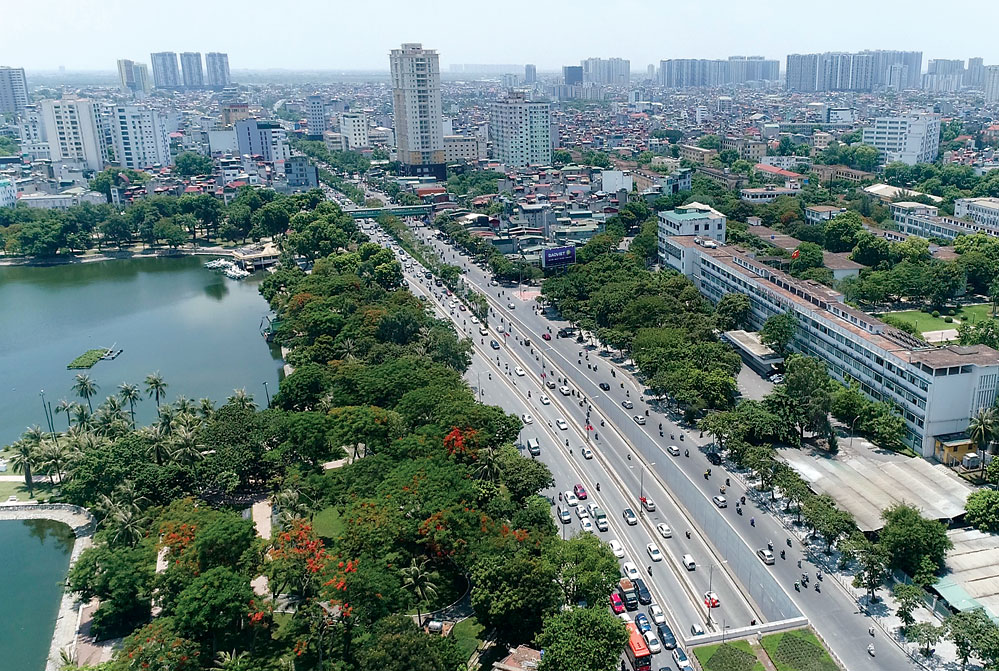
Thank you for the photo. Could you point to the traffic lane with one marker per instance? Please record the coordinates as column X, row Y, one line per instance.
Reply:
column 734, row 607
column 568, row 471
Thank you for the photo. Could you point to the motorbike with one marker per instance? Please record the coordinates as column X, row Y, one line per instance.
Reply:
column 782, row 555
column 681, row 436
column 817, row 588
column 789, row 542
column 770, row 545
column 598, row 486
column 797, row 587
column 870, row 649
column 738, row 510
column 686, row 453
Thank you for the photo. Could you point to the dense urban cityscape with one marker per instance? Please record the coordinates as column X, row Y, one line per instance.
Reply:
column 332, row 370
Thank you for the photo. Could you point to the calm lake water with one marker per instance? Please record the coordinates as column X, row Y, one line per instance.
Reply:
column 34, row 555
column 199, row 329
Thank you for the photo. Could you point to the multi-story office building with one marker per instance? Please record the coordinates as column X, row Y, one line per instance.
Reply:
column 923, row 220
column 354, row 129
column 194, row 74
column 530, row 74
column 13, row 90
column 234, row 111
column 520, row 131
column 134, row 76
column 911, row 139
column 616, row 71
column 863, row 71
column 678, row 73
column 166, row 74
column 935, row 389
column 572, row 75
column 975, row 74
column 301, row 173
column 34, row 139
column 77, row 132
column 695, row 219
column 315, row 114
column 265, row 139
column 458, row 148
column 140, row 137
column 992, row 84
column 217, row 65
column 982, row 211
column 416, row 107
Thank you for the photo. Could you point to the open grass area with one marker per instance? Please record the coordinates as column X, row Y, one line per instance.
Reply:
column 729, row 656
column 7, row 489
column 468, row 635
column 327, row 523
column 798, row 650
column 88, row 358
column 925, row 321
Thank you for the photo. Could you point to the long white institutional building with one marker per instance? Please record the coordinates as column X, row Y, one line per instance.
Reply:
column 936, row 389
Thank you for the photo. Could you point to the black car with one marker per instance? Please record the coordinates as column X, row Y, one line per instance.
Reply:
column 644, row 595
column 605, row 386
column 666, row 636
column 564, row 333
column 714, row 458
column 494, row 344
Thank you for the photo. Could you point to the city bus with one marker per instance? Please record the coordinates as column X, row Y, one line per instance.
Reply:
column 636, row 650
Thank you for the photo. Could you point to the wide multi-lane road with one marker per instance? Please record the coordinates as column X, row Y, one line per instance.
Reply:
column 734, row 538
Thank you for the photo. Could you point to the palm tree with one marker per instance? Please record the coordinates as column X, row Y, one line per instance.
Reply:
column 206, row 408
column 419, row 581
column 982, row 428
column 66, row 407
column 293, row 505
column 34, row 435
column 488, row 465
column 347, row 348
column 24, row 457
column 156, row 387
column 186, row 447
column 128, row 524
column 242, row 400
column 185, row 405
column 129, row 393
column 54, row 455
column 166, row 421
column 85, row 388
column 232, row 661
column 82, row 416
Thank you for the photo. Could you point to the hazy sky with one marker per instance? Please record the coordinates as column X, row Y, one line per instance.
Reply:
column 357, row 35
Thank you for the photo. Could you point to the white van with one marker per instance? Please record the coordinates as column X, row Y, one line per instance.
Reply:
column 533, row 446
column 688, row 562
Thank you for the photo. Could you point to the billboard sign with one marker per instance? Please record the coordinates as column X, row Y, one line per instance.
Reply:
column 557, row 257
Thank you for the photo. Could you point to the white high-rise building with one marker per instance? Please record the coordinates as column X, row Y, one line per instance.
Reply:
column 354, row 129
column 194, row 75
column 521, row 131
column 315, row 112
column 992, row 84
column 133, row 76
column 75, row 129
column 416, row 107
column 266, row 139
column 13, row 90
column 34, row 139
column 217, row 65
column 911, row 139
column 8, row 193
column 166, row 74
column 140, row 137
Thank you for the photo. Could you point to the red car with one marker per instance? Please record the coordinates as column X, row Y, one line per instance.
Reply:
column 711, row 600
column 546, row 336
column 579, row 491
column 616, row 604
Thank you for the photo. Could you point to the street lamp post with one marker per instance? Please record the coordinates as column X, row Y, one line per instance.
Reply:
column 267, row 393
column 711, row 571
column 45, row 410
column 853, row 424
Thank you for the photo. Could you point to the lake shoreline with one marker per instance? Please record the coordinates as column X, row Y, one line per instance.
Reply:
column 66, row 628
column 113, row 256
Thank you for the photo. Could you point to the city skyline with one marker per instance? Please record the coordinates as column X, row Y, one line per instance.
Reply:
column 523, row 41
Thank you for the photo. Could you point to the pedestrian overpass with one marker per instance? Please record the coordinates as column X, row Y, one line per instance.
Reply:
column 395, row 210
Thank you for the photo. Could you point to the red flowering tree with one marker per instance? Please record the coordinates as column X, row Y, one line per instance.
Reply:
column 159, row 647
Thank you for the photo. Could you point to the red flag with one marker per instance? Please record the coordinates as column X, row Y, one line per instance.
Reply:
column 796, row 253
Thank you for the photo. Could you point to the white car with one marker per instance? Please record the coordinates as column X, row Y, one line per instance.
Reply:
column 616, row 548
column 500, row 328
column 560, row 423
column 570, row 499
column 564, row 390
column 628, row 404
column 664, row 530
column 630, row 570
column 527, row 418
column 625, row 617
column 655, row 647
column 483, row 331
column 639, row 420
column 587, row 453
column 582, row 512
column 519, row 371
column 657, row 614
column 586, row 524
column 475, row 320
column 673, row 450
column 720, row 501
column 544, row 400
column 654, row 553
